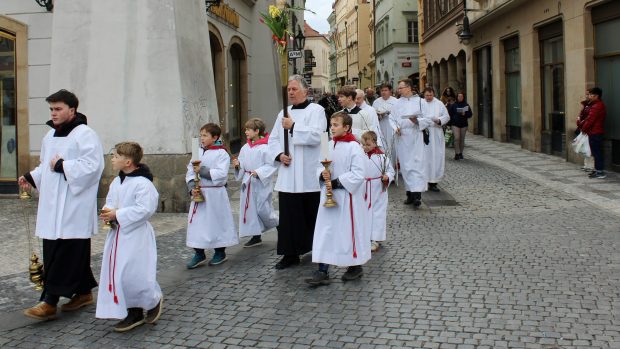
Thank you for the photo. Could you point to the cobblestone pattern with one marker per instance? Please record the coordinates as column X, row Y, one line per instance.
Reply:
column 515, row 265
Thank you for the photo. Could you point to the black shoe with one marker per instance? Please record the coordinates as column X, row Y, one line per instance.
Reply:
column 352, row 273
column 409, row 199
column 287, row 261
column 433, row 187
column 318, row 278
column 461, row 156
column 135, row 318
column 457, row 156
column 417, row 199
column 254, row 241
column 154, row 314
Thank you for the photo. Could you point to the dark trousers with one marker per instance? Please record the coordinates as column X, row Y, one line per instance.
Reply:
column 298, row 213
column 596, row 148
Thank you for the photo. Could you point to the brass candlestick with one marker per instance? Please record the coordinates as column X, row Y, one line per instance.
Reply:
column 329, row 202
column 106, row 224
column 197, row 195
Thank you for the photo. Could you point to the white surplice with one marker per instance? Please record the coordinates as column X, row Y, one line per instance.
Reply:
column 435, row 151
column 129, row 262
column 384, row 107
column 68, row 202
column 362, row 122
column 304, row 146
column 210, row 224
column 256, row 212
column 376, row 199
column 375, row 123
column 410, row 143
column 336, row 239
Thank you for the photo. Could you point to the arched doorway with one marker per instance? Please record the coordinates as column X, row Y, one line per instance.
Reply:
column 237, row 94
column 217, row 60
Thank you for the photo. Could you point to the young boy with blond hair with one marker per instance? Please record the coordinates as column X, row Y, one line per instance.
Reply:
column 255, row 169
column 379, row 175
column 128, row 283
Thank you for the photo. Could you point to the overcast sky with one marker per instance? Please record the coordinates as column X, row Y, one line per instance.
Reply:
column 318, row 21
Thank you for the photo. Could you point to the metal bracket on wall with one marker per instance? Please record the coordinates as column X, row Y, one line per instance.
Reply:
column 48, row 4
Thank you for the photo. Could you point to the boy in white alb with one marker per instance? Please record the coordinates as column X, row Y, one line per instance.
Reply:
column 128, row 271
column 255, row 169
column 379, row 174
column 341, row 234
column 210, row 223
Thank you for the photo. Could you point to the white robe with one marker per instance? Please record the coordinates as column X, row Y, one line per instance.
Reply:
column 410, row 143
column 435, row 151
column 129, row 264
column 375, row 123
column 68, row 203
column 376, row 199
column 387, row 132
column 304, row 146
column 334, row 237
column 362, row 122
column 256, row 215
column 210, row 224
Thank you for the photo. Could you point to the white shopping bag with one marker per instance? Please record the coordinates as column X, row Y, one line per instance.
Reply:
column 581, row 145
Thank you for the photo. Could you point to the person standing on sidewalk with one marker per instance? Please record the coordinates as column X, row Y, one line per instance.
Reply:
column 297, row 183
column 594, row 127
column 67, row 180
column 460, row 112
column 588, row 161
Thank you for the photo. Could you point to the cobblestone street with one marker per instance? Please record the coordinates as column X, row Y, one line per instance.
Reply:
column 523, row 255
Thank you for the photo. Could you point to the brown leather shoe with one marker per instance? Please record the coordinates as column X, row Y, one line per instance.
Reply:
column 41, row 311
column 78, row 301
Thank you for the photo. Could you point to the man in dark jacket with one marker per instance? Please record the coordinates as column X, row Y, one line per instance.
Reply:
column 594, row 127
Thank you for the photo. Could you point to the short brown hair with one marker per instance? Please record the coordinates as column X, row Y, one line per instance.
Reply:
column 348, row 91
column 407, row 82
column 370, row 136
column 346, row 119
column 256, row 124
column 131, row 150
column 212, row 129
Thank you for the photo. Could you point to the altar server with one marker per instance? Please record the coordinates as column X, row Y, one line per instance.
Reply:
column 435, row 112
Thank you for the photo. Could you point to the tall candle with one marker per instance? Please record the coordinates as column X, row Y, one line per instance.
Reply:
column 195, row 148
column 324, row 145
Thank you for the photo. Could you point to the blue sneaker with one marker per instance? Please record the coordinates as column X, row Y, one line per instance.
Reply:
column 197, row 260
column 218, row 258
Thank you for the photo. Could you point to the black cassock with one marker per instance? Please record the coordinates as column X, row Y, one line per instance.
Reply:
column 297, row 219
column 66, row 267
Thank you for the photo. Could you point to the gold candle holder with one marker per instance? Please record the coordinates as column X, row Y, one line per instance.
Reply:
column 24, row 195
column 36, row 272
column 106, row 224
column 197, row 195
column 329, row 202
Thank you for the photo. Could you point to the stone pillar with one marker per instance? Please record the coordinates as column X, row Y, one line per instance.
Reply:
column 460, row 72
column 531, row 107
column 142, row 70
column 429, row 77
column 452, row 76
column 443, row 76
column 436, row 78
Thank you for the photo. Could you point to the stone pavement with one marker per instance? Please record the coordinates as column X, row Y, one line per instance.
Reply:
column 523, row 259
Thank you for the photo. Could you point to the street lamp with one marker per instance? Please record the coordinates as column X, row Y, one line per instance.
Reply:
column 465, row 34
column 300, row 39
column 209, row 3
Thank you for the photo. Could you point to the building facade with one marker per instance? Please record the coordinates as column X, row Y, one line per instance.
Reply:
column 161, row 82
column 527, row 67
column 316, row 57
column 396, row 35
column 353, row 43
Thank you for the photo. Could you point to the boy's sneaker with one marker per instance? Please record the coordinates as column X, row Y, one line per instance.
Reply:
column 374, row 246
column 135, row 318
column 196, row 261
column 318, row 278
column 218, row 258
column 154, row 314
column 597, row 174
column 586, row 169
column 254, row 241
column 352, row 273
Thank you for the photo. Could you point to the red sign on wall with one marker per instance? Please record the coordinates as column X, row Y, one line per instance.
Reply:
column 406, row 64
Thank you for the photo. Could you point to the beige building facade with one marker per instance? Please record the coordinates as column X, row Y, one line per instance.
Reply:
column 316, row 55
column 354, row 47
column 527, row 67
